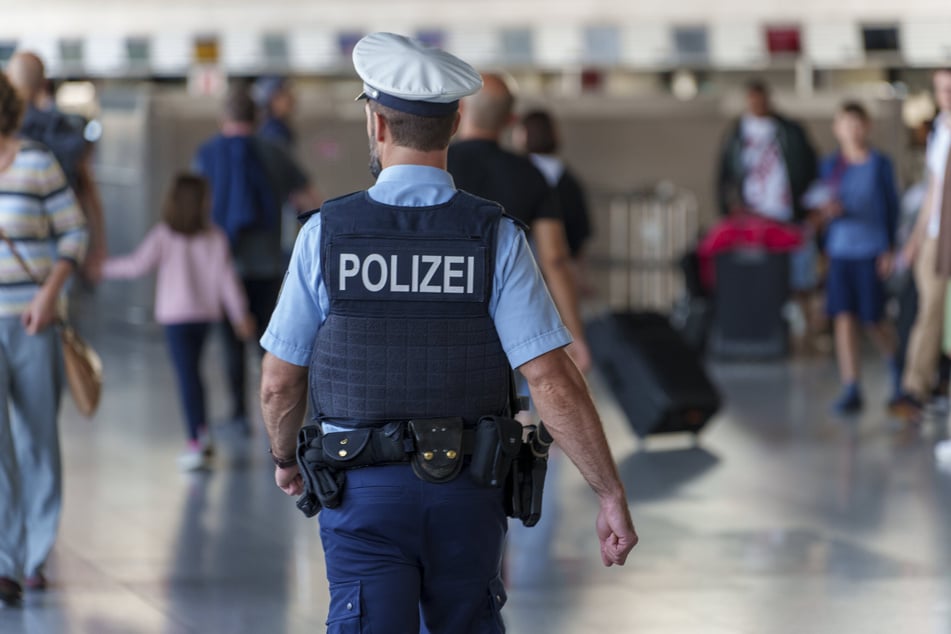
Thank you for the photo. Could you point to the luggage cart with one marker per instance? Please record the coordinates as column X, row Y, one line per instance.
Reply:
column 648, row 231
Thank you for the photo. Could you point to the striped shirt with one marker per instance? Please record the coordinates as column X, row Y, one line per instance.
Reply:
column 39, row 212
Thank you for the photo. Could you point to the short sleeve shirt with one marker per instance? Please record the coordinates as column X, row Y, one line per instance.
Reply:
column 487, row 170
column 525, row 317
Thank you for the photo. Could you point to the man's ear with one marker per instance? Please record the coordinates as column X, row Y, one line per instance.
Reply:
column 380, row 126
column 455, row 124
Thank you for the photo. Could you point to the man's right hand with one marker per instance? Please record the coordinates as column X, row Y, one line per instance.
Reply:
column 289, row 480
column 615, row 531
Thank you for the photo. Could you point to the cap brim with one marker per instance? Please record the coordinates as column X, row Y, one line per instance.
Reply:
column 362, row 96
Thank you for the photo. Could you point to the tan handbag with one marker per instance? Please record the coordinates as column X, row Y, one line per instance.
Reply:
column 82, row 364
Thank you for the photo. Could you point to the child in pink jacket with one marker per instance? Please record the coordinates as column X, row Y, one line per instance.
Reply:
column 196, row 287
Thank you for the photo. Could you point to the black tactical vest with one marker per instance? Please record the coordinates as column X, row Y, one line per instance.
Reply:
column 409, row 333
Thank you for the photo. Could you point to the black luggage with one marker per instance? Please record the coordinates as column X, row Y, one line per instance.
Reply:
column 658, row 381
column 752, row 286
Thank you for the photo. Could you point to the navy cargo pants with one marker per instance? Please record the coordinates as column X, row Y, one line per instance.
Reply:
column 406, row 556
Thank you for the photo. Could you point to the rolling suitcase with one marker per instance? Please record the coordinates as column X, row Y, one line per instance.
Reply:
column 658, row 381
column 751, row 289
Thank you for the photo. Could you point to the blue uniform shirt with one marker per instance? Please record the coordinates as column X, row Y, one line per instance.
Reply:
column 525, row 316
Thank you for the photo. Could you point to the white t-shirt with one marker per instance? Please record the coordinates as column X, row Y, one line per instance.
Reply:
column 550, row 166
column 766, row 185
column 939, row 146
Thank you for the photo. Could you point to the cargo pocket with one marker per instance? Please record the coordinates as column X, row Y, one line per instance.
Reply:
column 497, row 599
column 345, row 609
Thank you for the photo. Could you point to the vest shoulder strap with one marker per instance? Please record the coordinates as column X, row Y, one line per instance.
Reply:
column 307, row 215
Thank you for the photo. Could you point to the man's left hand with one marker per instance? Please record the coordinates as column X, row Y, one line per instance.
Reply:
column 289, row 480
column 615, row 531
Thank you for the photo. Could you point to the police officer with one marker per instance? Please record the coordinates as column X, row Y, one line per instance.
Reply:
column 411, row 301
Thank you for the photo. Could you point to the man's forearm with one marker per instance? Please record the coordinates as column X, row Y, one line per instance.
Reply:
column 284, row 404
column 91, row 204
column 563, row 402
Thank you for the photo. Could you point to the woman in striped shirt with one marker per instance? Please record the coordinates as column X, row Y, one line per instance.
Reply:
column 38, row 212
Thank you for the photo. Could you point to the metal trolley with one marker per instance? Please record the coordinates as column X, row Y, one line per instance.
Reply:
column 635, row 263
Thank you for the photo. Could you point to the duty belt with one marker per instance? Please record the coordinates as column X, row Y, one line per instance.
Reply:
column 431, row 439
column 500, row 453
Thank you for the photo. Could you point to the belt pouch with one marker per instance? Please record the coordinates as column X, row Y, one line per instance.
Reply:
column 347, row 449
column 497, row 442
column 438, row 456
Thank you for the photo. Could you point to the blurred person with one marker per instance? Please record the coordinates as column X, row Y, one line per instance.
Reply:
column 40, row 217
column 196, row 287
column 928, row 250
column 767, row 163
column 64, row 136
column 480, row 166
column 275, row 100
column 860, row 210
column 529, row 555
column 537, row 136
column 250, row 180
column 412, row 538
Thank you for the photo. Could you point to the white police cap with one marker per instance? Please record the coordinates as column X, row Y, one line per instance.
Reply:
column 406, row 75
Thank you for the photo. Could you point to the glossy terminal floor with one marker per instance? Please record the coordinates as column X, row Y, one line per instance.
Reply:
column 783, row 521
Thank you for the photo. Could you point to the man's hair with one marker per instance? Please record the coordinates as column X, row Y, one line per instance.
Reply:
column 239, row 106
column 855, row 109
column 540, row 136
column 424, row 134
column 186, row 205
column 11, row 108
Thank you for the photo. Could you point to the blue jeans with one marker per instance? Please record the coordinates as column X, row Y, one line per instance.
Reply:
column 185, row 345
column 30, row 468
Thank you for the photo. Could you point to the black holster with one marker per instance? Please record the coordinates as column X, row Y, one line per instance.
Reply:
column 323, row 485
column 527, row 481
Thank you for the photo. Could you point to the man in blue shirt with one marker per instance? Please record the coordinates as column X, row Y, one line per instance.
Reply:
column 405, row 554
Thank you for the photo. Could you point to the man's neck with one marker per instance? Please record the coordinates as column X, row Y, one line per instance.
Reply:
column 855, row 153
column 407, row 156
column 236, row 128
column 477, row 134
